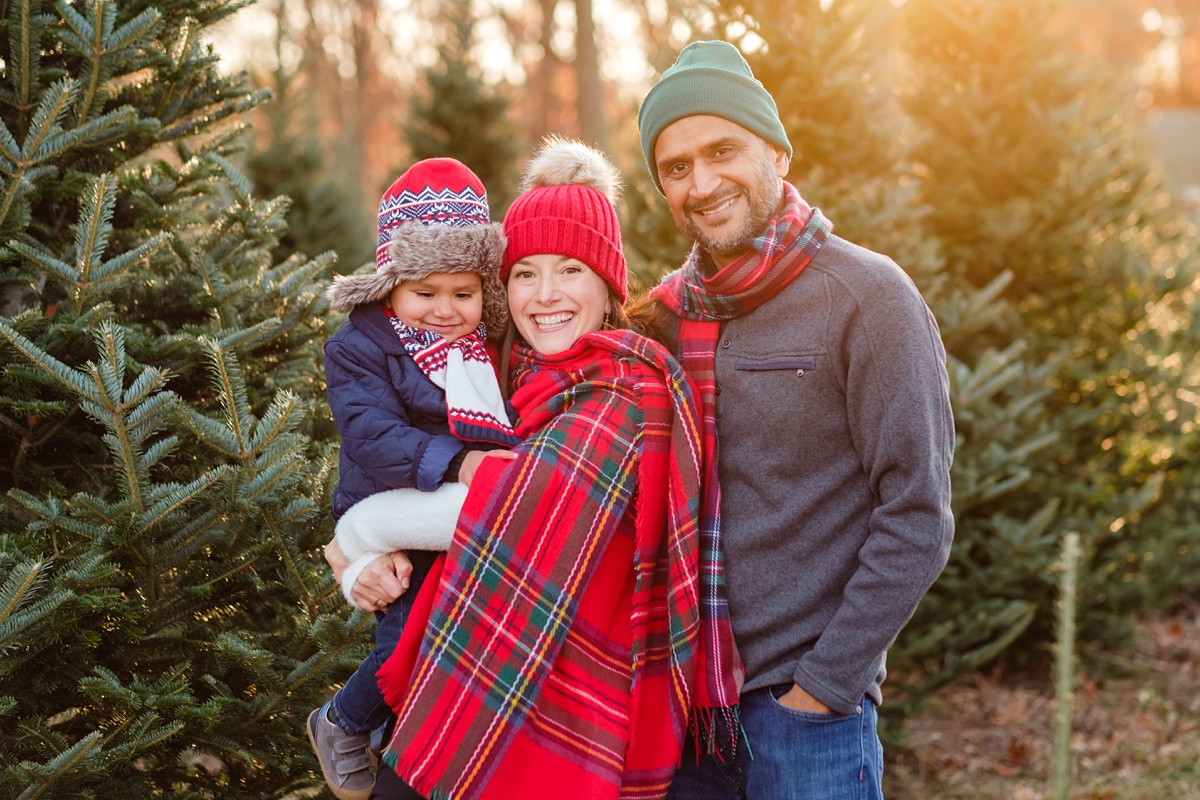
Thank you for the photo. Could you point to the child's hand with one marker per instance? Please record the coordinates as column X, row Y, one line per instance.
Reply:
column 470, row 465
column 336, row 559
column 382, row 582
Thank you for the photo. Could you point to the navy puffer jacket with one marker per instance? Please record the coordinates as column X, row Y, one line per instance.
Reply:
column 391, row 417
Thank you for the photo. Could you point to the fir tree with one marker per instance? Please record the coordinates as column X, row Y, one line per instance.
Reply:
column 166, row 620
column 1033, row 168
column 653, row 244
column 288, row 159
column 461, row 117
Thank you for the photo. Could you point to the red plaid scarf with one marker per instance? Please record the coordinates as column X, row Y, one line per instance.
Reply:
column 549, row 667
column 787, row 246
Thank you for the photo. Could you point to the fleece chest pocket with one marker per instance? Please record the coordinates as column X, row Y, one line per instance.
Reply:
column 798, row 367
column 774, row 396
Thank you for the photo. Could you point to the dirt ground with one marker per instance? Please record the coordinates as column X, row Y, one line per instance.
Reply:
column 1136, row 737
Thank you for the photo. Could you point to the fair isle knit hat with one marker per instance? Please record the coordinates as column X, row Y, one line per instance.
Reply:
column 709, row 78
column 566, row 208
column 433, row 219
column 435, row 191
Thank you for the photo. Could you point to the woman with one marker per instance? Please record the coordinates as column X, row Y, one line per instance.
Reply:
column 577, row 624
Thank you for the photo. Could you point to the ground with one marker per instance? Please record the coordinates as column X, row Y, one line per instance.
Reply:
column 1136, row 736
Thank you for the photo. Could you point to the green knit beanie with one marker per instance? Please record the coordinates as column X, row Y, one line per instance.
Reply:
column 709, row 78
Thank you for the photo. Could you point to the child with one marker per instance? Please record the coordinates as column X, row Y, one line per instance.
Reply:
column 415, row 399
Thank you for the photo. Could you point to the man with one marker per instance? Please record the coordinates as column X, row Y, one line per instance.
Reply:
column 824, row 376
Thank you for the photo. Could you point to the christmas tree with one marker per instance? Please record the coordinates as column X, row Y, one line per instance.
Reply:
column 1033, row 167
column 460, row 116
column 166, row 620
column 324, row 212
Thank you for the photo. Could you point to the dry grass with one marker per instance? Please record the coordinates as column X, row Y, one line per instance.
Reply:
column 1137, row 737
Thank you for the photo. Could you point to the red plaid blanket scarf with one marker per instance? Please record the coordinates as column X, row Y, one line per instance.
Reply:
column 548, row 665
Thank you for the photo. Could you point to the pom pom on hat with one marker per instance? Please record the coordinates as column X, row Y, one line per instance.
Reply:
column 567, row 208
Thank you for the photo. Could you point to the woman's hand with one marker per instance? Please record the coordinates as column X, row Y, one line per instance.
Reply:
column 470, row 464
column 382, row 581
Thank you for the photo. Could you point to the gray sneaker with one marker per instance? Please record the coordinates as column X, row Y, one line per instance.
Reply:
column 345, row 758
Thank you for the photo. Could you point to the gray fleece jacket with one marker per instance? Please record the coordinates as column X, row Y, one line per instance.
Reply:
column 836, row 437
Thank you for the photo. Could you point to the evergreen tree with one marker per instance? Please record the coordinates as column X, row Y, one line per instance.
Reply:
column 461, row 117
column 325, row 213
column 1033, row 168
column 166, row 619
column 653, row 245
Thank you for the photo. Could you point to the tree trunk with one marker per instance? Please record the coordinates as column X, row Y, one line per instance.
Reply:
column 592, row 126
column 542, row 83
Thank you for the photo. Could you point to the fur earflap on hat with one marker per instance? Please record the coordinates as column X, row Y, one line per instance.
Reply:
column 567, row 207
column 417, row 251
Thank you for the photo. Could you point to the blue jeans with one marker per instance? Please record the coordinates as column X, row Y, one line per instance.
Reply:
column 358, row 707
column 389, row 786
column 792, row 755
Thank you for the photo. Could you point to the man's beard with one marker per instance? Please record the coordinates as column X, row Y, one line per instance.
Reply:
column 762, row 198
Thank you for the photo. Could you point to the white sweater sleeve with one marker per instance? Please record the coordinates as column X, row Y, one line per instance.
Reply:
column 401, row 519
column 350, row 576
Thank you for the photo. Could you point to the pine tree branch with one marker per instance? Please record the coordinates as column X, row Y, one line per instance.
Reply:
column 20, row 580
column 9, row 150
column 44, row 119
column 190, row 538
column 58, row 372
column 44, row 260
column 60, row 768
column 179, row 497
column 227, row 378
column 89, row 38
column 102, row 47
column 289, row 562
column 26, row 36
column 93, row 230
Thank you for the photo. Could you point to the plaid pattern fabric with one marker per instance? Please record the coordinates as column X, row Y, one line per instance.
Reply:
column 548, row 664
column 463, row 370
column 789, row 243
column 787, row 247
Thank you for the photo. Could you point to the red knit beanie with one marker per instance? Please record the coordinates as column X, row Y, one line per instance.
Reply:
column 434, row 191
column 566, row 208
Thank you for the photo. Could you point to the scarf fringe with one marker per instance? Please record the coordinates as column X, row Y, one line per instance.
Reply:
column 392, row 759
column 715, row 732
